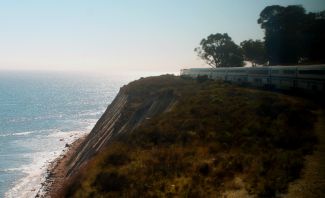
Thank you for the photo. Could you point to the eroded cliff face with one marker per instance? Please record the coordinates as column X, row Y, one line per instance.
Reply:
column 123, row 115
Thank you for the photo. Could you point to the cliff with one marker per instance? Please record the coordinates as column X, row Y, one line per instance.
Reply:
column 168, row 136
column 138, row 101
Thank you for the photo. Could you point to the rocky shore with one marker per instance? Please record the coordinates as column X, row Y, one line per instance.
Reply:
column 57, row 170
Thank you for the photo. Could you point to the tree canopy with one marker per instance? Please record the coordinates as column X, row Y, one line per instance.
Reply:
column 292, row 36
column 218, row 50
column 254, row 51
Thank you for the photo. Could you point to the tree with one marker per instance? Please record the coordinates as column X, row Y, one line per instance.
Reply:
column 284, row 33
column 218, row 50
column 254, row 51
column 314, row 38
column 292, row 36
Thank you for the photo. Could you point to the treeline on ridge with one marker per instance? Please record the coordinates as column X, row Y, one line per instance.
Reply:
column 292, row 37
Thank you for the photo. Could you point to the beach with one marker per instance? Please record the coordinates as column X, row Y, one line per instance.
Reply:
column 39, row 175
column 57, row 169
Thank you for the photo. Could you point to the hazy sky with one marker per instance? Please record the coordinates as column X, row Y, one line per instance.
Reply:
column 122, row 35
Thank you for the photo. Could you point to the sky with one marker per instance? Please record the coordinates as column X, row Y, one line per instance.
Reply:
column 116, row 36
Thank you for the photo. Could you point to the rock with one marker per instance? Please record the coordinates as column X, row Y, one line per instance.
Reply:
column 67, row 145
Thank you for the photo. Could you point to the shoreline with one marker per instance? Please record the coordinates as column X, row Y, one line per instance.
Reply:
column 36, row 172
column 56, row 170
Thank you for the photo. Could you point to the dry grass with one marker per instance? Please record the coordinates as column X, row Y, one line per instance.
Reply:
column 215, row 134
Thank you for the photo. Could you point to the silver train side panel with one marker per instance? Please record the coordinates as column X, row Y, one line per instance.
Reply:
column 309, row 77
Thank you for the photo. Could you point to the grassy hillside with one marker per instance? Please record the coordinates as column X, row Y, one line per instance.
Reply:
column 216, row 138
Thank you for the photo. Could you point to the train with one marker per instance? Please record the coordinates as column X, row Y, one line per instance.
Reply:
column 309, row 78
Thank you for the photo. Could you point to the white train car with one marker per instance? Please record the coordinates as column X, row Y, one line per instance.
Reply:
column 283, row 77
column 258, row 76
column 195, row 72
column 237, row 75
column 220, row 74
column 309, row 77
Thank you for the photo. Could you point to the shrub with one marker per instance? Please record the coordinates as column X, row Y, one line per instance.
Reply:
column 116, row 159
column 110, row 181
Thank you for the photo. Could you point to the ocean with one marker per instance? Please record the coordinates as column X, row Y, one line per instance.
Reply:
column 40, row 112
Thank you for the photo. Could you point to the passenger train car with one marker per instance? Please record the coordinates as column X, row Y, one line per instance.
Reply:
column 308, row 78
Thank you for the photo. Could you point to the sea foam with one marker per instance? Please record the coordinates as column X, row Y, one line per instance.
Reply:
column 36, row 172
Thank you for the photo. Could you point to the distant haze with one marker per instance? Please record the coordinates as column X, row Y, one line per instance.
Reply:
column 126, row 35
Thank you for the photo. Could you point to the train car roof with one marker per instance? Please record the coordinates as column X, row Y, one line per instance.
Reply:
column 260, row 67
column 201, row 69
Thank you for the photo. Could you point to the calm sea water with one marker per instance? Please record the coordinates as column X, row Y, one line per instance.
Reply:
column 41, row 112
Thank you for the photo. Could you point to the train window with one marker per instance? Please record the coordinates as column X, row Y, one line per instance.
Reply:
column 286, row 71
column 315, row 72
column 275, row 71
column 257, row 80
column 264, row 71
column 236, row 71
